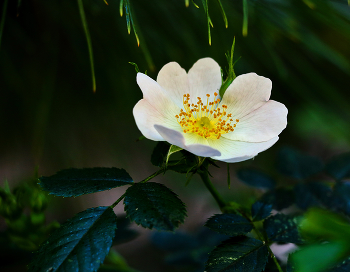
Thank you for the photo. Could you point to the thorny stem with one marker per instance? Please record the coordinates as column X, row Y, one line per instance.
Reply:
column 211, row 188
column 161, row 170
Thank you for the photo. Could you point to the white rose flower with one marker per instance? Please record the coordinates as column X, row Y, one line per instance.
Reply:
column 185, row 110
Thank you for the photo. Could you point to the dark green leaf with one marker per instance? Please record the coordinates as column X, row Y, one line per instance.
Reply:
column 312, row 194
column 279, row 198
column 282, row 228
column 256, row 178
column 260, row 210
column 296, row 165
column 241, row 254
column 153, row 205
column 290, row 264
column 173, row 149
column 76, row 182
column 80, row 244
column 339, row 166
column 160, row 153
column 229, row 224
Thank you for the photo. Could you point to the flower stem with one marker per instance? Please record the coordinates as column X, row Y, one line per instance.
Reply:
column 211, row 188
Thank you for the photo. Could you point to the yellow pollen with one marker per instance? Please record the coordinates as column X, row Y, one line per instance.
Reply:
column 209, row 121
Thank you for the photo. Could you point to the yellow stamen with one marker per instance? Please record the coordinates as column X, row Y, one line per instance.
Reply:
column 208, row 121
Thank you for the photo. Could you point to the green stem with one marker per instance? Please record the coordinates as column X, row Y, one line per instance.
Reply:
column 142, row 181
column 211, row 188
column 88, row 40
column 261, row 237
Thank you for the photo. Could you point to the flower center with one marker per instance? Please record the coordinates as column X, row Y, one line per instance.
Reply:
column 209, row 121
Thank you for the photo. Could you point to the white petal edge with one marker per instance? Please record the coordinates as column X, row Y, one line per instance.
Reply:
column 157, row 97
column 262, row 124
column 246, row 93
column 204, row 78
column 174, row 80
column 236, row 151
column 176, row 138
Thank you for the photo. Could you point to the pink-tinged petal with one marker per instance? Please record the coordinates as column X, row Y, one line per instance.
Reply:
column 176, row 137
column 246, row 93
column 157, row 98
column 235, row 151
column 174, row 80
column 204, row 78
column 261, row 125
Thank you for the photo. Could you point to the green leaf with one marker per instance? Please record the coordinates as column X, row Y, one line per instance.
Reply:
column 343, row 266
column 312, row 194
column 152, row 205
column 296, row 165
column 159, row 153
column 80, row 244
column 339, row 166
column 261, row 210
column 282, row 228
column 76, row 182
column 255, row 178
column 280, row 198
column 241, row 254
column 229, row 224
column 317, row 258
column 173, row 149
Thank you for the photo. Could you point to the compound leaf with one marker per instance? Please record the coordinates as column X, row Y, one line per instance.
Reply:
column 282, row 228
column 256, row 178
column 260, row 210
column 238, row 254
column 152, row 205
column 76, row 182
column 80, row 244
column 229, row 224
column 279, row 198
column 296, row 165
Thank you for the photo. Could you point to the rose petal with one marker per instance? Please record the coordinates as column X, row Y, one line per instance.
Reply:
column 174, row 81
column 176, row 138
column 156, row 97
column 204, row 78
column 235, row 151
column 261, row 125
column 246, row 93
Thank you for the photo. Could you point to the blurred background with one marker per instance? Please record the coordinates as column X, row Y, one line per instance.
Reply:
column 50, row 117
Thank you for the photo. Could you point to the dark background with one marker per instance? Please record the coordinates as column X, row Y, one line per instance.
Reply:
column 51, row 118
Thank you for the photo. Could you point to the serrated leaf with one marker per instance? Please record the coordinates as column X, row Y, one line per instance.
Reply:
column 229, row 224
column 260, row 210
column 339, row 166
column 312, row 194
column 159, row 153
column 255, row 178
column 153, row 205
column 282, row 228
column 296, row 165
column 80, row 244
column 238, row 254
column 76, row 182
column 280, row 198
